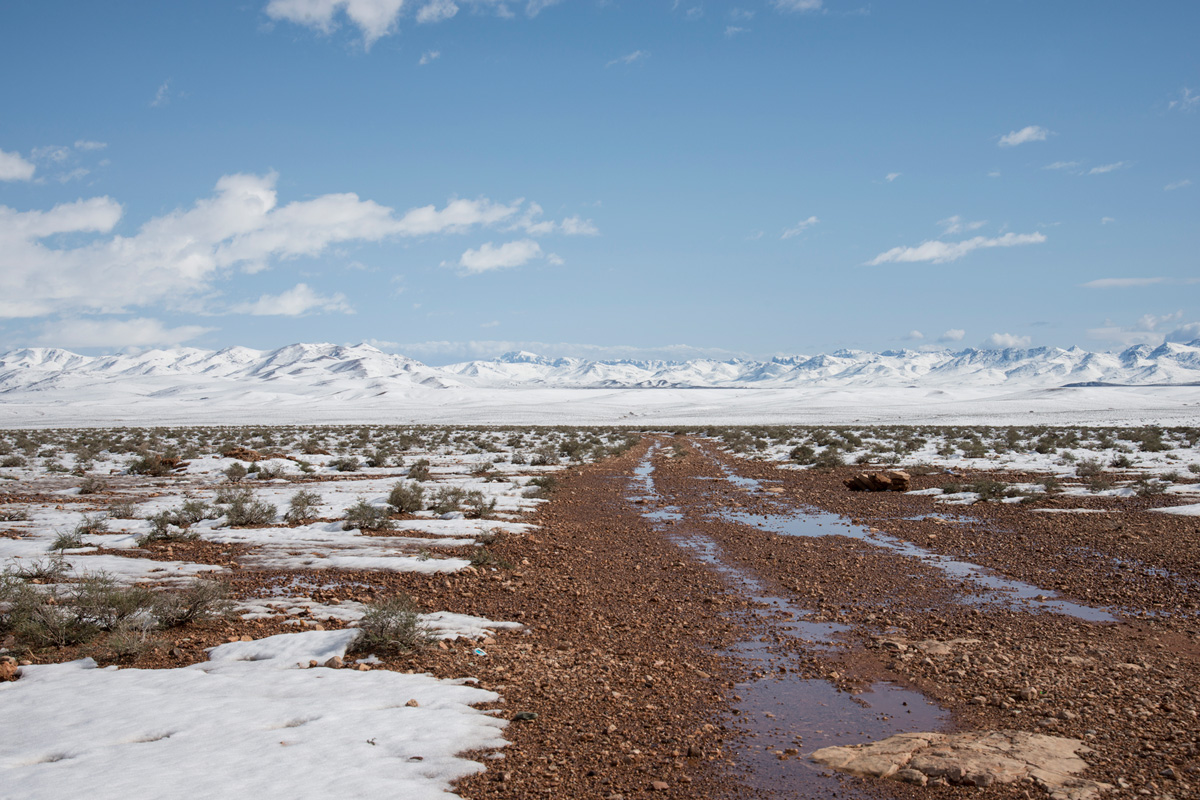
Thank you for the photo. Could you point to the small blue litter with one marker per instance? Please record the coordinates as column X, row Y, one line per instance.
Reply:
column 479, row 652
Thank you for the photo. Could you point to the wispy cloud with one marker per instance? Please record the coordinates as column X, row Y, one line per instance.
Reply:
column 1187, row 100
column 799, row 228
column 1148, row 329
column 15, row 168
column 956, row 224
column 117, row 333
column 938, row 252
column 429, row 57
column 490, row 257
column 1030, row 133
column 535, row 7
column 1104, row 168
column 891, row 176
column 1062, row 165
column 734, row 30
column 1170, row 187
column 84, row 144
column 1128, row 283
column 162, row 96
column 798, row 5
column 443, row 352
column 629, row 58
column 295, row 302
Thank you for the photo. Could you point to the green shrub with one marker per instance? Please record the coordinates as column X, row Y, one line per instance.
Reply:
column 236, row 472
column 366, row 517
column 391, row 625
column 242, row 509
column 153, row 465
column 122, row 509
column 346, row 464
column 202, row 598
column 419, row 471
column 302, row 506
column 407, row 497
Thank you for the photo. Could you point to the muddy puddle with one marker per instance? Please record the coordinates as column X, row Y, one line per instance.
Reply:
column 781, row 716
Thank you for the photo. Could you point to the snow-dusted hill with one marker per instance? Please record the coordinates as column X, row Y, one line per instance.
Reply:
column 325, row 381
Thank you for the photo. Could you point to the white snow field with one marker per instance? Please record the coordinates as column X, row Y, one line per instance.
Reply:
column 324, row 383
column 249, row 723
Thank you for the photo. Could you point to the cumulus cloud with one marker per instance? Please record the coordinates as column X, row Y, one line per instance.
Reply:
column 298, row 300
column 173, row 258
column 1030, row 133
column 1184, row 333
column 629, row 58
column 1148, row 329
column 1170, row 187
column 1007, row 340
column 490, row 257
column 577, row 226
column 797, row 5
column 437, row 11
column 799, row 228
column 15, row 168
column 117, row 333
column 374, row 18
column 939, row 252
column 914, row 336
column 952, row 335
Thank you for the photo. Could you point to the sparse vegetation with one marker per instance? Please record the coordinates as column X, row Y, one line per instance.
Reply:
column 364, row 516
column 391, row 625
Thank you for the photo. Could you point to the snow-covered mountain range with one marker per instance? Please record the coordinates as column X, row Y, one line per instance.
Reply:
column 361, row 371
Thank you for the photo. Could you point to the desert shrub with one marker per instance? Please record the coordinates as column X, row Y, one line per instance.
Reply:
column 1089, row 468
column 419, row 471
column 364, row 516
column 391, row 625
column 242, row 509
column 236, row 472
column 14, row 514
column 12, row 461
column 1121, row 461
column 1148, row 487
column 482, row 557
column 541, row 487
column 91, row 523
column 122, row 509
column 1194, row 469
column 202, row 598
column 67, row 540
column 302, row 506
column 92, row 484
column 545, row 455
column 100, row 601
column 1099, row 483
column 345, row 464
column 407, row 497
column 153, row 465
column 51, row 569
column 829, row 458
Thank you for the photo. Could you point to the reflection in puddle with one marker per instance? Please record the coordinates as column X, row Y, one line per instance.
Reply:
column 783, row 717
column 815, row 523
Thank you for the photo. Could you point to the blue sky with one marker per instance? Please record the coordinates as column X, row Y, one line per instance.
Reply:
column 455, row 178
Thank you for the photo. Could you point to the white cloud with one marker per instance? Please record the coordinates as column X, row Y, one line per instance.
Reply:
column 915, row 335
column 741, row 13
column 374, row 18
column 1170, row 187
column 429, row 57
column 162, row 95
column 799, row 228
column 1107, row 220
column 1007, row 340
column 577, row 226
column 797, row 5
column 1121, row 283
column 173, row 258
column 734, row 30
column 535, row 7
column 437, row 11
column 629, row 58
column 1147, row 330
column 490, row 257
column 891, row 176
column 1030, row 133
column 941, row 252
column 1188, row 100
column 994, row 173
column 15, row 168
column 117, row 333
column 1103, row 168
column 84, row 144
column 1062, row 165
column 298, row 300
column 51, row 153
column 952, row 335
column 956, row 224
column 1184, row 333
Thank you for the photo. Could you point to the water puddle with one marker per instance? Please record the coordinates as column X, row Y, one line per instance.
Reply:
column 782, row 716
column 815, row 523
